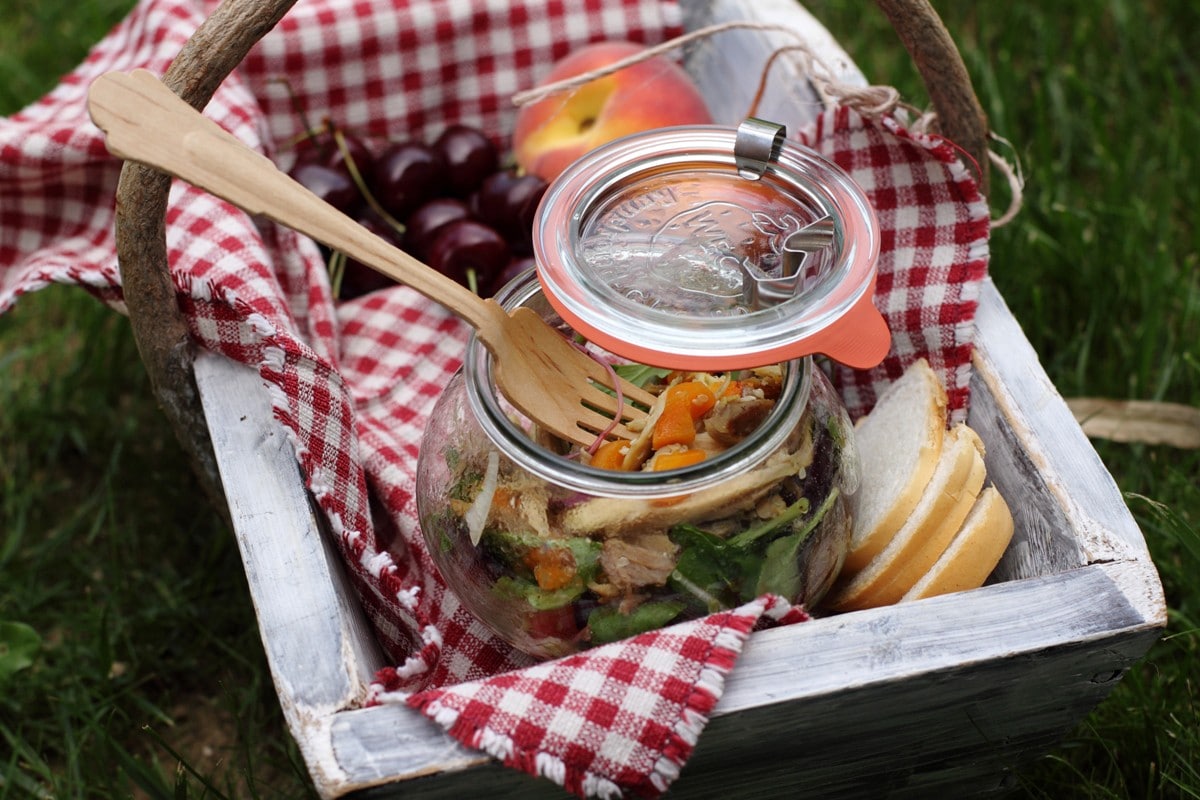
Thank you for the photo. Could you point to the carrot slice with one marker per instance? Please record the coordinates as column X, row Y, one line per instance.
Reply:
column 700, row 399
column 553, row 567
column 609, row 455
column 685, row 403
column 674, row 426
column 677, row 459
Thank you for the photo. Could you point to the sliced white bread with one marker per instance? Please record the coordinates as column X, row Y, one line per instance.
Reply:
column 973, row 553
column 924, row 536
column 931, row 542
column 899, row 443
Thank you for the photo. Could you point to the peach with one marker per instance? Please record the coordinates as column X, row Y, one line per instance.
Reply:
column 556, row 130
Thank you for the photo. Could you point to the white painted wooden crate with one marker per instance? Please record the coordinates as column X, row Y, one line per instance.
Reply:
column 950, row 693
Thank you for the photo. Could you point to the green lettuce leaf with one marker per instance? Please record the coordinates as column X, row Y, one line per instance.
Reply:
column 609, row 625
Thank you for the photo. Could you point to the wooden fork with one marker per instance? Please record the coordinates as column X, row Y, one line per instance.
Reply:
column 545, row 376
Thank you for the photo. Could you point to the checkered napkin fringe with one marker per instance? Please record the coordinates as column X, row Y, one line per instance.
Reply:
column 353, row 383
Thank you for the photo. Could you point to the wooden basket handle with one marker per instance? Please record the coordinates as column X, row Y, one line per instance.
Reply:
column 960, row 117
column 220, row 44
column 159, row 328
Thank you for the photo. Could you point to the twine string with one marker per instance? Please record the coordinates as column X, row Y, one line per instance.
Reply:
column 871, row 101
column 1013, row 175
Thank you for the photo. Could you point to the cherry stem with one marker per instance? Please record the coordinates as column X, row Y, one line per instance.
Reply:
column 337, row 271
column 356, row 175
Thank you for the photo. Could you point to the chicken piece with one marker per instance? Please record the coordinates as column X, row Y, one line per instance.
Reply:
column 616, row 516
column 643, row 560
column 639, row 446
column 521, row 505
column 734, row 419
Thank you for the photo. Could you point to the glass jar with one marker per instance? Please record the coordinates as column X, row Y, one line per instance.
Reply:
column 557, row 555
column 713, row 263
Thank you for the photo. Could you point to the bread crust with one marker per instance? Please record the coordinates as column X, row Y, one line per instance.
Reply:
column 932, row 541
column 974, row 552
column 925, row 534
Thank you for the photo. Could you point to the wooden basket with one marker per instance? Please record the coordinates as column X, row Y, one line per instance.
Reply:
column 950, row 693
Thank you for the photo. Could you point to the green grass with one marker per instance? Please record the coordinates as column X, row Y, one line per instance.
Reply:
column 147, row 638
column 42, row 41
column 147, row 654
column 144, row 648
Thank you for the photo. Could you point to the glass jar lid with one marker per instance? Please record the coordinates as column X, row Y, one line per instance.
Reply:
column 712, row 248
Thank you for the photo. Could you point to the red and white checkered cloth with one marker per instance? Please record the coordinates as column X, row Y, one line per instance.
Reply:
column 352, row 384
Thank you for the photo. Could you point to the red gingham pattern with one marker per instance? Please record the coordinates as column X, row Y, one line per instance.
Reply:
column 619, row 720
column 389, row 70
column 933, row 252
column 352, row 384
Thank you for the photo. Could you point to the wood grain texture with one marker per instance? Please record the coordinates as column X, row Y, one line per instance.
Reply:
column 319, row 646
column 948, row 692
column 1147, row 421
column 1045, row 445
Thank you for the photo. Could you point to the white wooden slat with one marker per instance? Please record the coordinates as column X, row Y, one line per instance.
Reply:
column 729, row 64
column 867, row 677
column 318, row 645
column 1051, row 448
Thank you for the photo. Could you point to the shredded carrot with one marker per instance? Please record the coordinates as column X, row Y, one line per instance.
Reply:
column 684, row 404
column 609, row 455
column 677, row 459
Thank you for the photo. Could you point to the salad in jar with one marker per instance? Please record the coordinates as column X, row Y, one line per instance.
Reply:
column 554, row 568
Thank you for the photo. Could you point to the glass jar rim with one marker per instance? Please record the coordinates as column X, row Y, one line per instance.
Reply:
column 814, row 321
column 495, row 417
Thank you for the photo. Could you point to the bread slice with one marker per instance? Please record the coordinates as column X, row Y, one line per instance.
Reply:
column 936, row 534
column 916, row 547
column 974, row 552
column 899, row 443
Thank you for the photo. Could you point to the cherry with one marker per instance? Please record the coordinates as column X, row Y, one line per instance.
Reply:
column 488, row 200
column 405, row 175
column 334, row 186
column 469, row 155
column 359, row 279
column 358, row 150
column 461, row 213
column 423, row 224
column 321, row 147
column 523, row 201
column 466, row 246
column 508, row 202
column 514, row 268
